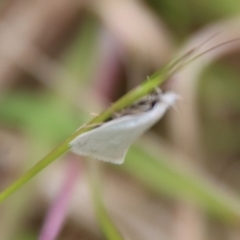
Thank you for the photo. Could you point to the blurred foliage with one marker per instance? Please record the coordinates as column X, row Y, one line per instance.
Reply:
column 185, row 16
column 220, row 100
column 155, row 169
column 81, row 55
column 46, row 117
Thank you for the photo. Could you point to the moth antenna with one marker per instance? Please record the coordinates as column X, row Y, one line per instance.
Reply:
column 179, row 98
column 177, row 110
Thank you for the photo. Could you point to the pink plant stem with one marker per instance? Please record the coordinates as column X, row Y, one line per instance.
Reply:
column 58, row 211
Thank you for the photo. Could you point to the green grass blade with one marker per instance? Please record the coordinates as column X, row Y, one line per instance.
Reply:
column 126, row 100
column 158, row 172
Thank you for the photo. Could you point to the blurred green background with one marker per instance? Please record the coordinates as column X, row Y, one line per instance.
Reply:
column 64, row 61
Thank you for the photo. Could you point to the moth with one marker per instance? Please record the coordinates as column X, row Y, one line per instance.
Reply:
column 110, row 141
column 143, row 105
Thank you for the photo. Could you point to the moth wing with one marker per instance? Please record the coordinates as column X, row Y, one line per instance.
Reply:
column 111, row 141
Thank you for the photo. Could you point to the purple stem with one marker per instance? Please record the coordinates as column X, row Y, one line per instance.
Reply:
column 58, row 211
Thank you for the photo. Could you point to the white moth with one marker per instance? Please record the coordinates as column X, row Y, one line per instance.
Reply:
column 111, row 141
